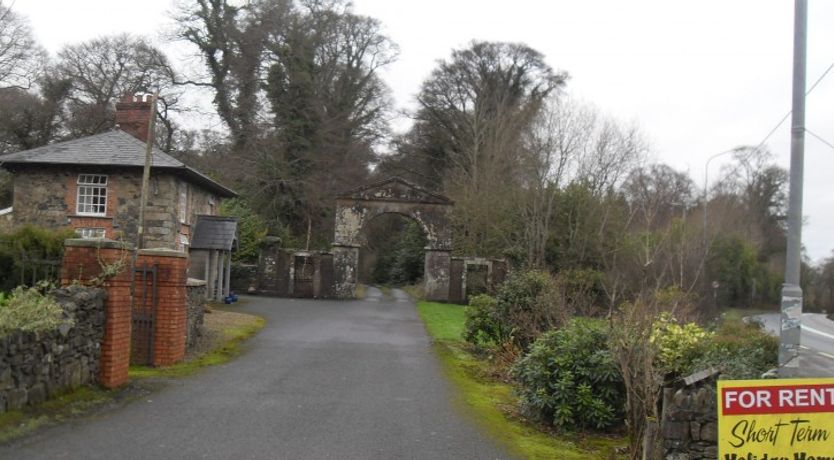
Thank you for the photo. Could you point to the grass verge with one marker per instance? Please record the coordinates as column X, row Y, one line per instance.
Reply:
column 491, row 403
column 226, row 346
column 18, row 423
column 360, row 291
column 741, row 313
column 416, row 291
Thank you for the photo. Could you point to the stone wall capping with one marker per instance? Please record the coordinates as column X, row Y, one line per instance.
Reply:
column 163, row 252
column 193, row 282
column 701, row 375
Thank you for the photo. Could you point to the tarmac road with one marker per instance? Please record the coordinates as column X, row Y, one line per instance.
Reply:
column 816, row 341
column 323, row 379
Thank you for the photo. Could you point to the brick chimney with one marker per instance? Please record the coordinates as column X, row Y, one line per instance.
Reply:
column 133, row 113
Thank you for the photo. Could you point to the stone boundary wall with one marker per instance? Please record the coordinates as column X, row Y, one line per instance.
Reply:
column 278, row 274
column 196, row 293
column 689, row 429
column 244, row 278
column 496, row 273
column 35, row 366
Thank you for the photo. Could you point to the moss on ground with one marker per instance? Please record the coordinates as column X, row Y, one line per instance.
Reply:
column 18, row 423
column 228, row 347
column 416, row 291
column 491, row 403
column 361, row 291
column 733, row 314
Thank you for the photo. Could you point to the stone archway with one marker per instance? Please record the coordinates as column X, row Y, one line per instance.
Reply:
column 358, row 207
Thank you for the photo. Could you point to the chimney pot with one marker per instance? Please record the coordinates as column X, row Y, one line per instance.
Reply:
column 133, row 114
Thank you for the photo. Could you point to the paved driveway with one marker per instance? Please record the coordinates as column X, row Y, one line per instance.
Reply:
column 324, row 379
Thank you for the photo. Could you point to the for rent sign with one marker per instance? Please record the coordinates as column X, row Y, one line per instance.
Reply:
column 776, row 419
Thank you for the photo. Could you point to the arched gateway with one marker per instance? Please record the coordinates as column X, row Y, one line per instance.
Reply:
column 358, row 207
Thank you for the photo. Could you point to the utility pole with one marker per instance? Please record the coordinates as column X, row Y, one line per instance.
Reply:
column 146, row 175
column 143, row 200
column 791, row 290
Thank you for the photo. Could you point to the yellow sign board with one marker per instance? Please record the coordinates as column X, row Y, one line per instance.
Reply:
column 776, row 419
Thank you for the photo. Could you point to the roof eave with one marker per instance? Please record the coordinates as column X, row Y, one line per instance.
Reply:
column 190, row 173
column 208, row 183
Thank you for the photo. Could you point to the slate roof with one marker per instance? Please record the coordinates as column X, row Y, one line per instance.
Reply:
column 113, row 148
column 215, row 232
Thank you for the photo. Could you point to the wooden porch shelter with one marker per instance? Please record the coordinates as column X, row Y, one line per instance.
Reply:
column 214, row 240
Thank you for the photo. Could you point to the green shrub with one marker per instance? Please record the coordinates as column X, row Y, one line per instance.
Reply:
column 569, row 378
column 482, row 326
column 582, row 290
column 252, row 228
column 739, row 350
column 526, row 305
column 23, row 254
column 678, row 345
column 29, row 309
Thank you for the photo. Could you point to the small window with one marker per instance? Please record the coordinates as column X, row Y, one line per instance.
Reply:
column 90, row 233
column 184, row 243
column 92, row 195
column 183, row 204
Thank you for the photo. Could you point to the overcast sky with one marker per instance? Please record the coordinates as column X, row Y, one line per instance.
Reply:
column 699, row 77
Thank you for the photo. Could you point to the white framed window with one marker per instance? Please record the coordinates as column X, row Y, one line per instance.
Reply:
column 90, row 233
column 184, row 243
column 92, row 195
column 183, row 204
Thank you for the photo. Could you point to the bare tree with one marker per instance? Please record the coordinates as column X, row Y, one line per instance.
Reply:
column 552, row 147
column 103, row 70
column 612, row 152
column 233, row 41
column 474, row 108
column 755, row 190
column 657, row 192
column 572, row 144
column 28, row 119
column 22, row 59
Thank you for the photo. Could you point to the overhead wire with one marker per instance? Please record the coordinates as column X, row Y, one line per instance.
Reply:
column 775, row 128
column 819, row 138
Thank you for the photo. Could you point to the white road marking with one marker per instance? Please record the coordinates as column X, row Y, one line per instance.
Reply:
column 827, row 355
column 818, row 332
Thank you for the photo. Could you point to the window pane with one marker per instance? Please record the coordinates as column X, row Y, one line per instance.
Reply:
column 90, row 233
column 92, row 194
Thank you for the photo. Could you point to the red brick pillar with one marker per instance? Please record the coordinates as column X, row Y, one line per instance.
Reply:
column 83, row 262
column 171, row 308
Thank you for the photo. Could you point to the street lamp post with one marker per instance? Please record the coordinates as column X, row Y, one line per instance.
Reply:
column 683, row 227
column 791, row 290
column 706, row 197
